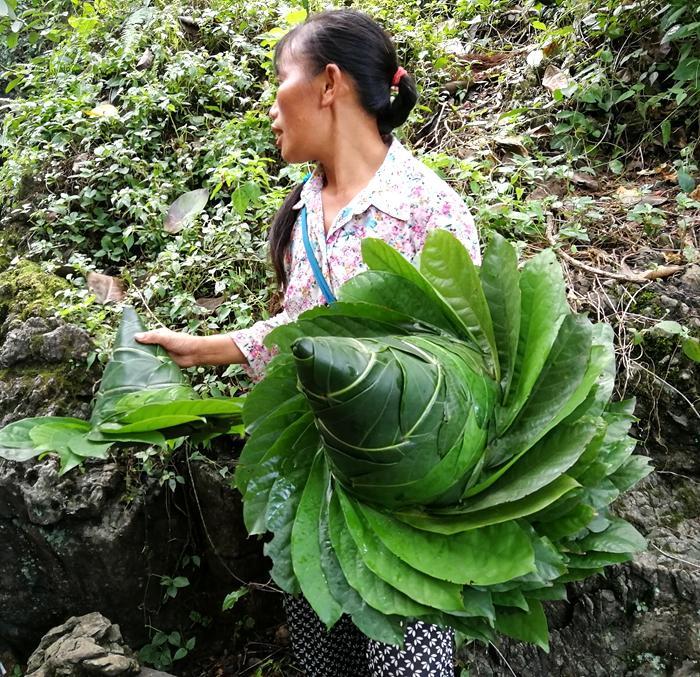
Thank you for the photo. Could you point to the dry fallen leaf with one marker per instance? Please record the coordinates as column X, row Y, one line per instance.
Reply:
column 511, row 143
column 555, row 78
column 552, row 187
column 210, row 303
column 79, row 160
column 550, row 47
column 105, row 287
column 540, row 131
column 654, row 200
column 146, row 61
column 103, row 110
column 695, row 195
column 535, row 57
column 185, row 209
column 628, row 196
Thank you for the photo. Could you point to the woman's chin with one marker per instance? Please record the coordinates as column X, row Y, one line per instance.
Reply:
column 292, row 157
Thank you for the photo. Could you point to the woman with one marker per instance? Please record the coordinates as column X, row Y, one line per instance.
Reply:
column 334, row 107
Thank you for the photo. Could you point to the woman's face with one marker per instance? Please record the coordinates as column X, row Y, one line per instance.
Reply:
column 297, row 120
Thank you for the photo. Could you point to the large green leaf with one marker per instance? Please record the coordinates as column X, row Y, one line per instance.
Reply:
column 229, row 407
column 376, row 592
column 346, row 319
column 162, row 422
column 423, row 588
column 550, row 459
column 265, row 436
column 483, row 556
column 141, row 398
column 278, row 386
column 306, row 545
column 568, row 524
column 525, row 626
column 558, row 381
column 389, row 291
column 631, row 472
column 379, row 256
column 17, row 436
column 298, row 439
column 447, row 265
column 499, row 280
column 543, row 307
column 619, row 537
column 372, row 623
column 282, row 507
column 66, row 435
column 454, row 523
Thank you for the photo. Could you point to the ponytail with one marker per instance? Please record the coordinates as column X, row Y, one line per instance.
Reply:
column 400, row 107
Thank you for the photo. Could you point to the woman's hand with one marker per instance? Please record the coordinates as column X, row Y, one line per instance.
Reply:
column 182, row 348
column 187, row 350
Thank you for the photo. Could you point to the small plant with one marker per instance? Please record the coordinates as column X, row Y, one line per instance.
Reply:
column 231, row 599
column 166, row 648
column 689, row 344
column 651, row 218
column 173, row 585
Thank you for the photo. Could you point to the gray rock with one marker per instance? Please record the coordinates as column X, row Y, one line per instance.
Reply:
column 64, row 343
column 20, row 341
column 691, row 278
column 80, row 542
column 82, row 646
column 48, row 341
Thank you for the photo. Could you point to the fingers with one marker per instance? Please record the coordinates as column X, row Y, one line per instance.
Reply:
column 155, row 336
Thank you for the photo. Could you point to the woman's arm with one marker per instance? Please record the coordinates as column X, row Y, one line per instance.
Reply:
column 187, row 350
column 244, row 346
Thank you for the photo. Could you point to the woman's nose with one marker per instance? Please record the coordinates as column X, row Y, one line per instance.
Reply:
column 273, row 110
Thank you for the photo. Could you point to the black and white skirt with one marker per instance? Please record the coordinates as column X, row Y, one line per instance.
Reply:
column 345, row 652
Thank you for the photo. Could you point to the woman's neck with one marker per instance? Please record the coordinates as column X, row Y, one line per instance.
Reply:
column 351, row 160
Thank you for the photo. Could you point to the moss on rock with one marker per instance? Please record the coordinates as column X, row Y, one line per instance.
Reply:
column 27, row 291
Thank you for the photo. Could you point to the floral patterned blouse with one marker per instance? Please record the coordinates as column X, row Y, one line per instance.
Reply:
column 402, row 202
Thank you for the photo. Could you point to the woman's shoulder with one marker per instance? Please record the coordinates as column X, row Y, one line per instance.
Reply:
column 420, row 187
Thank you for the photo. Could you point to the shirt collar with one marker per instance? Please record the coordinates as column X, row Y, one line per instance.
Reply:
column 383, row 190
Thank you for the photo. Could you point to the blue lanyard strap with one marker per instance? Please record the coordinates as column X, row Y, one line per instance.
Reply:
column 320, row 279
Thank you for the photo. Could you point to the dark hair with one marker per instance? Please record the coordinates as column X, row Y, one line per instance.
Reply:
column 359, row 46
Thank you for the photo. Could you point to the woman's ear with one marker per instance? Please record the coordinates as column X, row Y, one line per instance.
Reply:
column 333, row 83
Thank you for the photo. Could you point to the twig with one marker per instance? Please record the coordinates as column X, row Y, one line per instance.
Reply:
column 678, row 559
column 148, row 310
column 653, row 274
column 503, row 658
column 676, row 474
column 204, row 523
column 656, row 377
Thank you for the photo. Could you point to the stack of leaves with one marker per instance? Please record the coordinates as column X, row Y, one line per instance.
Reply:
column 440, row 445
column 143, row 399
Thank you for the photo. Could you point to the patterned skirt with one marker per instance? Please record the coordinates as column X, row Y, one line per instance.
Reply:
column 345, row 652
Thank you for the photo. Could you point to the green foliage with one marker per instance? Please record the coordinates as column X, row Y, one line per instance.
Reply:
column 689, row 344
column 440, row 444
column 626, row 91
column 166, row 648
column 231, row 599
column 118, row 111
column 172, row 585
